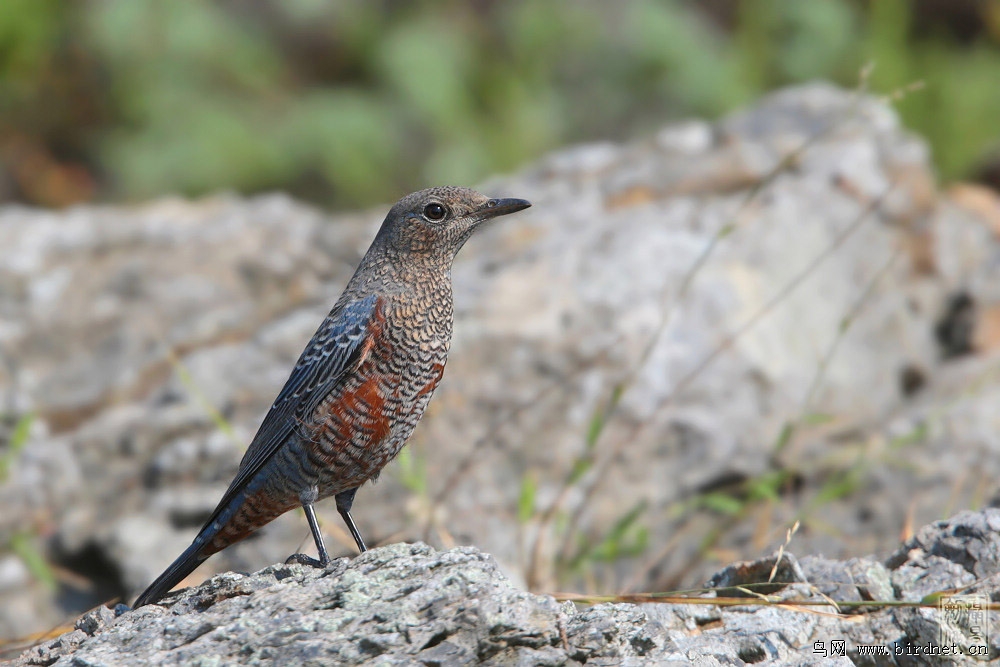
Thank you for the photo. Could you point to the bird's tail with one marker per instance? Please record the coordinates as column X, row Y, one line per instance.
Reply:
column 180, row 568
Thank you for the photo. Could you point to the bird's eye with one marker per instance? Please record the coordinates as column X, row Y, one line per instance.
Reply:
column 434, row 212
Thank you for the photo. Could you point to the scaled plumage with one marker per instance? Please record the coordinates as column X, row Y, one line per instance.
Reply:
column 361, row 384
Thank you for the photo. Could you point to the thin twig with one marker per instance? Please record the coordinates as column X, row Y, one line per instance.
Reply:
column 669, row 598
column 781, row 550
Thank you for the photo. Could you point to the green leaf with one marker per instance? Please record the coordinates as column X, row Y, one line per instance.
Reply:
column 616, row 544
column 18, row 439
column 599, row 419
column 766, row 486
column 188, row 381
column 787, row 431
column 580, row 468
column 427, row 62
column 413, row 472
column 917, row 435
column 625, row 539
column 526, row 499
column 22, row 545
column 838, row 487
column 595, row 428
column 722, row 503
column 936, row 597
column 817, row 418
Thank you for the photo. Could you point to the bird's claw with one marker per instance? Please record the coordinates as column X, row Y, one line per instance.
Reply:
column 302, row 559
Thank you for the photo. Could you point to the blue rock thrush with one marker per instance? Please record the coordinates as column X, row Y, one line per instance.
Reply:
column 361, row 384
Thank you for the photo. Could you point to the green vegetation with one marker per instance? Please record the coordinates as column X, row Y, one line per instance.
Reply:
column 412, row 471
column 13, row 440
column 24, row 545
column 18, row 437
column 349, row 101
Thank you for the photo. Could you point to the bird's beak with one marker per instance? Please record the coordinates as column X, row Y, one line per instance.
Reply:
column 498, row 207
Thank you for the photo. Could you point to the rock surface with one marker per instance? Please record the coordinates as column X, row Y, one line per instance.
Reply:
column 849, row 311
column 410, row 605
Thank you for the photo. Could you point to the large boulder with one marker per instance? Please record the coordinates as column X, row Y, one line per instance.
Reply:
column 410, row 605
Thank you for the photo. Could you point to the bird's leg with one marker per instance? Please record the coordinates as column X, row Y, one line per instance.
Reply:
column 307, row 498
column 344, row 501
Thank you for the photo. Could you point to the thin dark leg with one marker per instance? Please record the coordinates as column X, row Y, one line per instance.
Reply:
column 308, row 498
column 324, row 557
column 344, row 502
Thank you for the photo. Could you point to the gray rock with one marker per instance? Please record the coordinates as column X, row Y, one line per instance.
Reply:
column 410, row 605
column 397, row 605
column 853, row 580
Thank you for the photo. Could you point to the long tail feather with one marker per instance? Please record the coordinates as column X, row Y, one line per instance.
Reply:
column 180, row 568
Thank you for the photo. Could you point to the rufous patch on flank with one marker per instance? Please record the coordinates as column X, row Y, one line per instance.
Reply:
column 432, row 385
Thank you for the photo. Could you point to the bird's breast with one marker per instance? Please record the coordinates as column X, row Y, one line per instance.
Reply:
column 369, row 415
column 379, row 402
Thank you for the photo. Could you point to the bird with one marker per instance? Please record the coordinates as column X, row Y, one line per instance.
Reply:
column 360, row 386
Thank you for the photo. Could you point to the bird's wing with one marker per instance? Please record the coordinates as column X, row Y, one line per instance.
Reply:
column 339, row 345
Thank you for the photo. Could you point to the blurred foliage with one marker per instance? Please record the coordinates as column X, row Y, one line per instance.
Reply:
column 353, row 101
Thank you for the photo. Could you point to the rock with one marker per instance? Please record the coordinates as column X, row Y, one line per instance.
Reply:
column 401, row 604
column 794, row 374
column 965, row 545
column 853, row 580
column 409, row 604
column 759, row 577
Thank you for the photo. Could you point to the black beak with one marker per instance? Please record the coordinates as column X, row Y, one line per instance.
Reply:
column 498, row 207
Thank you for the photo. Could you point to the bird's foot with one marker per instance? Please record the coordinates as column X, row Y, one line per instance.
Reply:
column 302, row 559
column 121, row 608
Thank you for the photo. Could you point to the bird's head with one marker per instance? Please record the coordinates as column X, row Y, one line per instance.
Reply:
column 436, row 223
